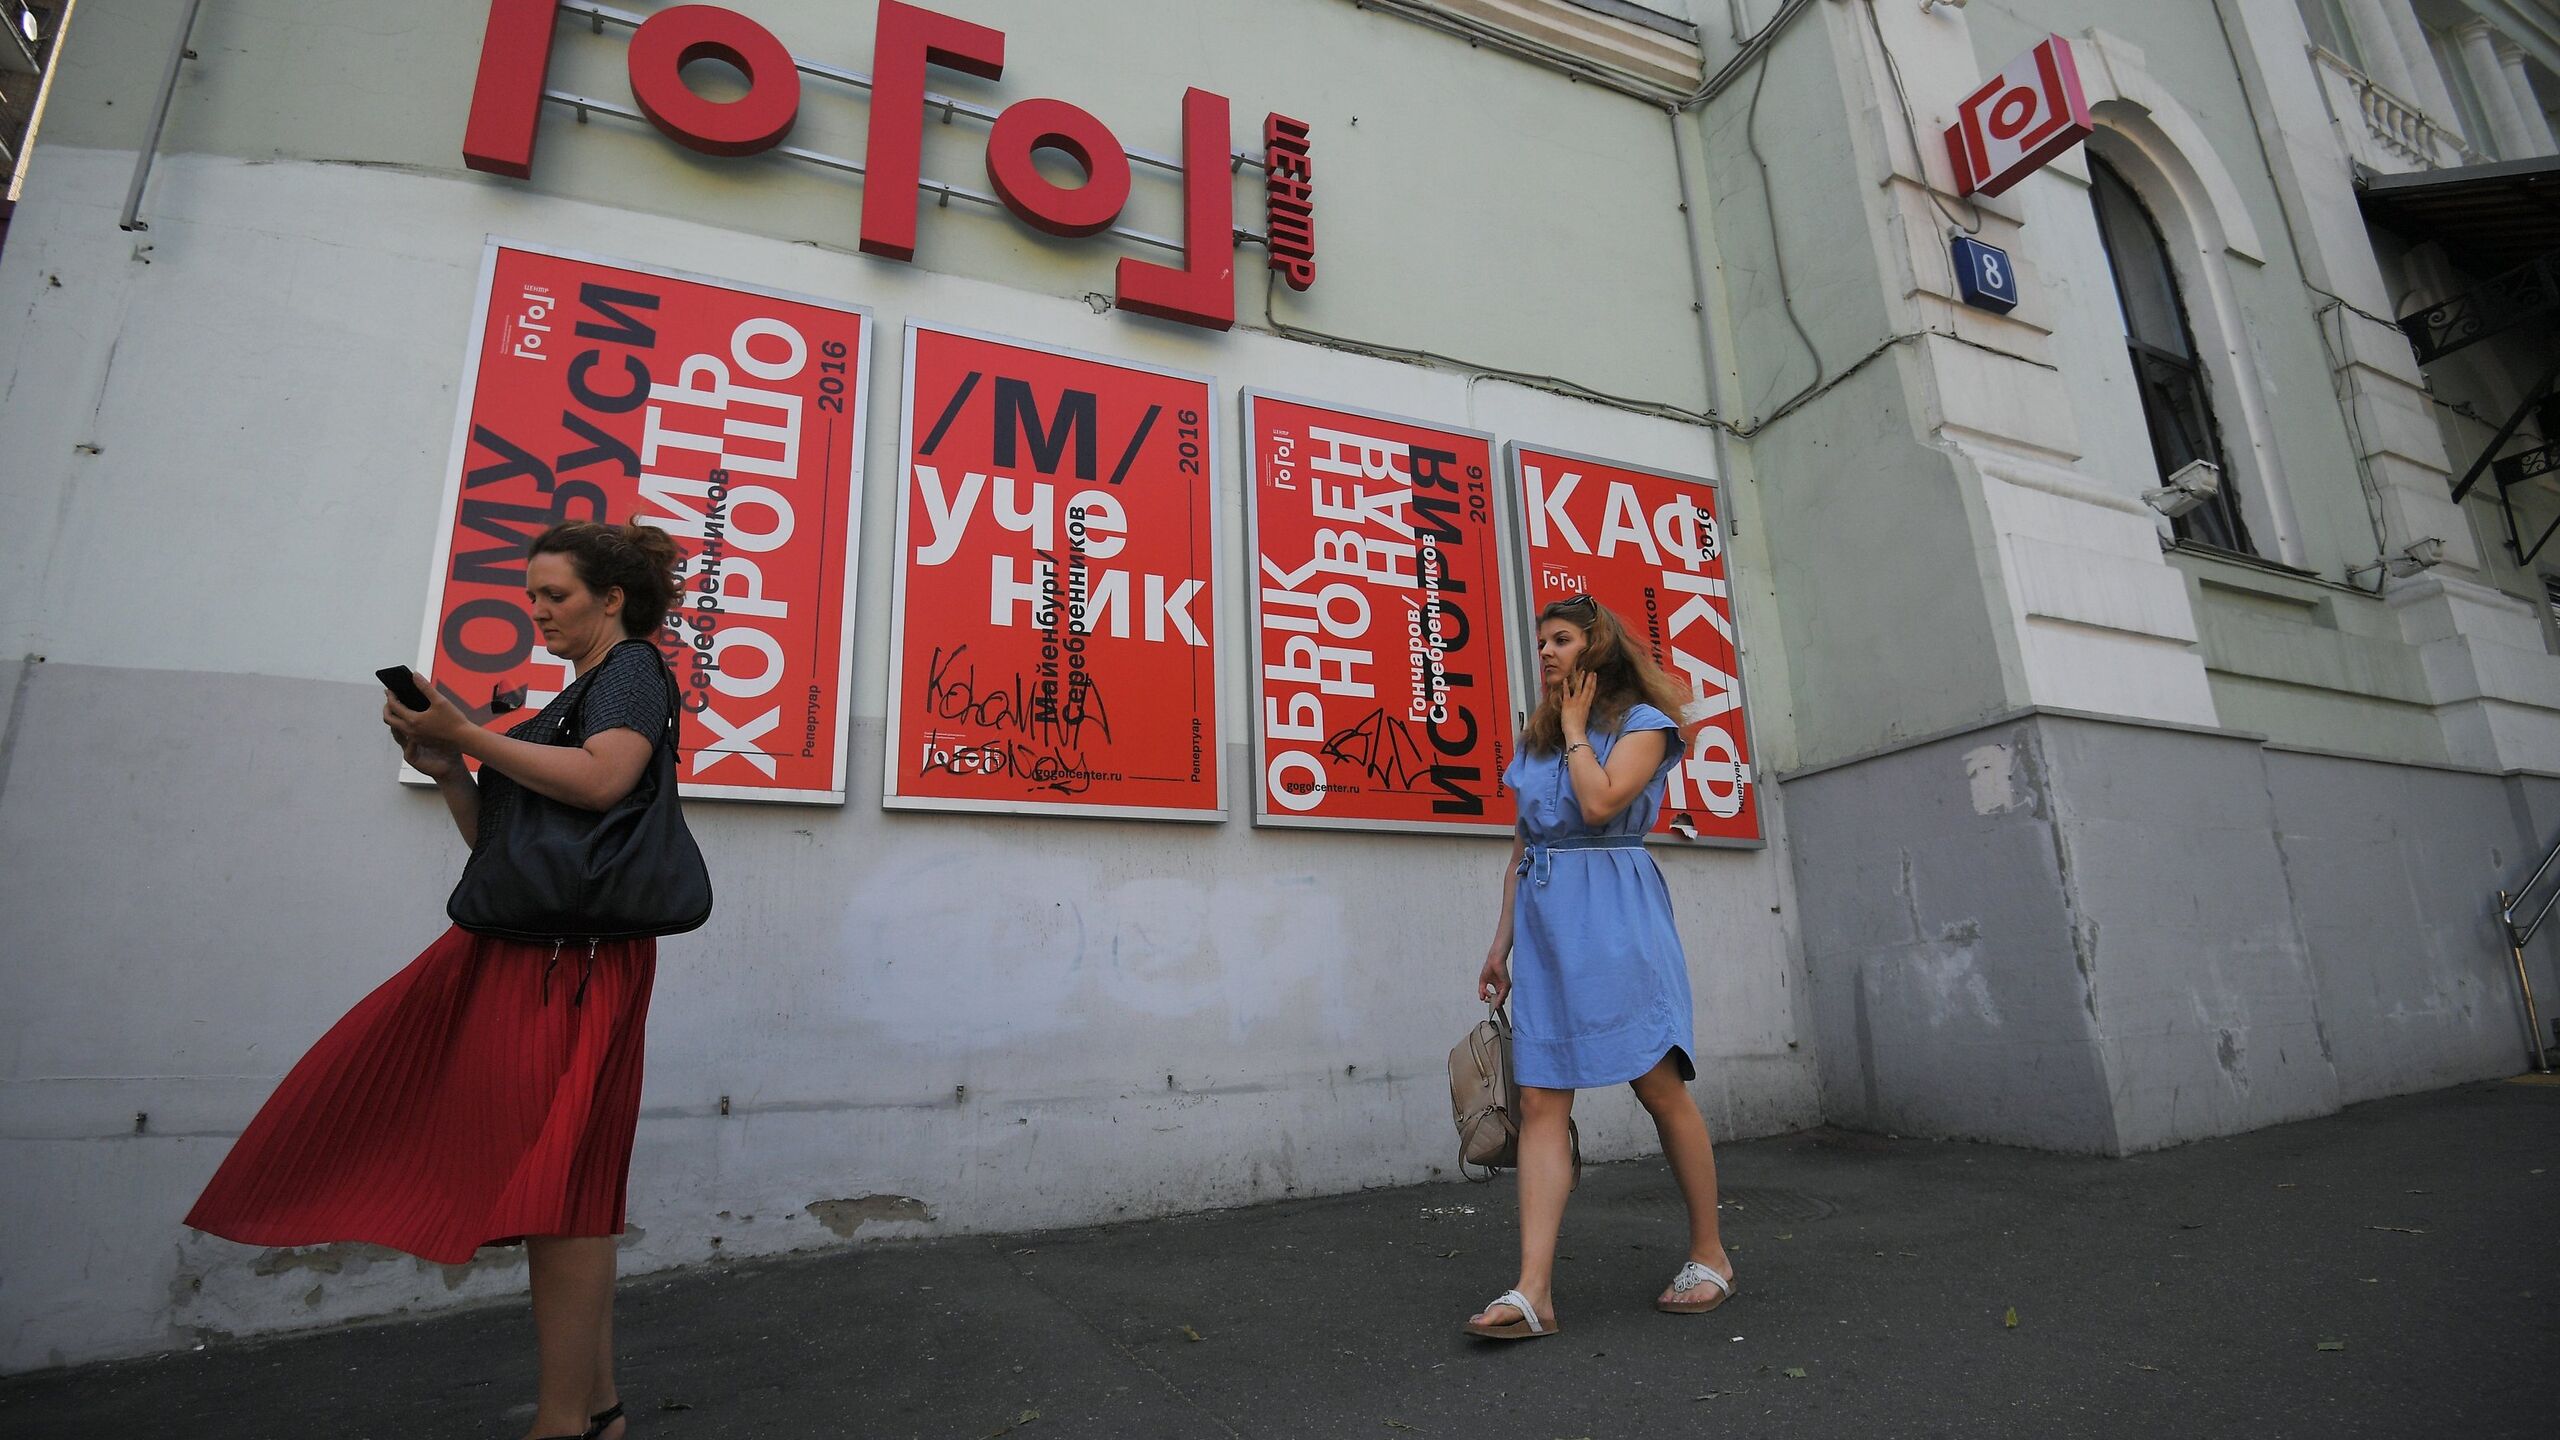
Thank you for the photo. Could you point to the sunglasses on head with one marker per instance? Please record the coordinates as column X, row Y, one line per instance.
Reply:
column 1573, row 604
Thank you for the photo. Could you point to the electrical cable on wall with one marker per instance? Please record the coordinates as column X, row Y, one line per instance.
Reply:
column 2340, row 385
column 1752, row 55
column 1777, row 242
column 1746, row 58
column 1911, row 129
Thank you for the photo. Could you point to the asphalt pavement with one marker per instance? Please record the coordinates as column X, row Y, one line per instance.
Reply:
column 2393, row 1270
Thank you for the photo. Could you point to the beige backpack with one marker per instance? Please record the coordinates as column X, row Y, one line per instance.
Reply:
column 1481, row 1101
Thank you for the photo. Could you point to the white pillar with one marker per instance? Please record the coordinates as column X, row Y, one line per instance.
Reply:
column 2428, row 90
column 2537, row 125
column 2480, row 57
column 2384, row 62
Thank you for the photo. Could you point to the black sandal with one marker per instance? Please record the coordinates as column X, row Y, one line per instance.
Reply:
column 596, row 1423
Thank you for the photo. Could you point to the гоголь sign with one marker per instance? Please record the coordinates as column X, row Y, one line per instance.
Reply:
column 515, row 62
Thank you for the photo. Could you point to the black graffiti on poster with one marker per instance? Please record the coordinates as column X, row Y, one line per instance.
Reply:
column 1424, row 558
column 1048, row 722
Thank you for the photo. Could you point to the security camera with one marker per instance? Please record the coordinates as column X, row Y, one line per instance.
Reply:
column 1926, row 6
column 2420, row 555
column 2190, row 485
column 2417, row 555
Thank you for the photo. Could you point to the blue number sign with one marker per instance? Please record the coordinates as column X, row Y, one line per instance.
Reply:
column 1984, row 276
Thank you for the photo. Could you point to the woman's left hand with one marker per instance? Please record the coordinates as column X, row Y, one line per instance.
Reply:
column 1573, row 705
column 440, row 724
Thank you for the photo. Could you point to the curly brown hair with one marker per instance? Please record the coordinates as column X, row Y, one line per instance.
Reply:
column 1627, row 673
column 638, row 558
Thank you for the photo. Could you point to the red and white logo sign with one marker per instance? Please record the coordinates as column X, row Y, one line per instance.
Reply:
column 2012, row 127
column 731, row 418
column 1650, row 545
column 515, row 66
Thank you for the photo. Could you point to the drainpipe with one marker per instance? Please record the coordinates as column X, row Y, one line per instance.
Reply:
column 159, row 116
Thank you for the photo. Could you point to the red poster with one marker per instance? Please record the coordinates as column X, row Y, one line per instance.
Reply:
column 1057, row 617
column 1382, row 652
column 729, row 417
column 1650, row 545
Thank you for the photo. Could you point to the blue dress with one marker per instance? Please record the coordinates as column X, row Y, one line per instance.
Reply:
column 1599, row 986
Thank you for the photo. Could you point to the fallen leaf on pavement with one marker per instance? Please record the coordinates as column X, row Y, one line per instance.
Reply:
column 2154, row 1369
column 1450, row 1254
column 1190, row 1334
column 1400, row 1425
column 2396, row 1229
column 670, row 1403
column 2330, row 1345
column 1793, row 1372
column 1710, row 1395
column 2010, row 1320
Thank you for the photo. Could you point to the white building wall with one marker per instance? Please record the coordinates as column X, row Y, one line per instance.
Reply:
column 225, row 459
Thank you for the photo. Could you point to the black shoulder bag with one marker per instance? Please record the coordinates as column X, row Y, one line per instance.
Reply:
column 556, row 872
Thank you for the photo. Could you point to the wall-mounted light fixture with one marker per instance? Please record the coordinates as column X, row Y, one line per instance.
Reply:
column 1930, row 6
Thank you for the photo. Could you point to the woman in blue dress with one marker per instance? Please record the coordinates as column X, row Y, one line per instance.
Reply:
column 1586, row 951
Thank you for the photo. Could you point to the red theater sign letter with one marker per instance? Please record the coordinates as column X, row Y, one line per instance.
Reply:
column 515, row 64
column 1650, row 545
column 1056, row 626
column 729, row 417
column 1381, row 693
column 2012, row 127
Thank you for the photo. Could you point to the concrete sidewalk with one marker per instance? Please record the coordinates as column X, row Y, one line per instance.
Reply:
column 2390, row 1271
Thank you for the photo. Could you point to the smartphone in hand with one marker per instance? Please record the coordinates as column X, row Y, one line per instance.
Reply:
column 403, row 686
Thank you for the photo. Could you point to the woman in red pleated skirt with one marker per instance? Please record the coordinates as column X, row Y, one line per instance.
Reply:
column 488, row 1093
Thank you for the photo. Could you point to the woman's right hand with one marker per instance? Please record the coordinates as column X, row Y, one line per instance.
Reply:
column 1493, row 982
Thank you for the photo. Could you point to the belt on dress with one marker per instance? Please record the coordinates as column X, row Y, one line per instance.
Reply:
column 1538, row 859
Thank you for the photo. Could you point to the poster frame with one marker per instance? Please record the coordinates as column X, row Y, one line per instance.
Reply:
column 1220, row 809
column 857, row 382
column 1506, row 580
column 1741, row 686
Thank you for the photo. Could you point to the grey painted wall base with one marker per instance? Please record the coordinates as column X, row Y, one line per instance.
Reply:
column 2107, row 938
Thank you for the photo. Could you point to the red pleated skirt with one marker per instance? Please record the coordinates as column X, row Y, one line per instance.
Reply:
column 486, row 1093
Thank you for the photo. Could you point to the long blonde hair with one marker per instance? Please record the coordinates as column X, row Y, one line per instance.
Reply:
column 1628, row 677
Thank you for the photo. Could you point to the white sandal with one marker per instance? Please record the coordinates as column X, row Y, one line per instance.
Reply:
column 1691, row 1276
column 1524, row 1328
